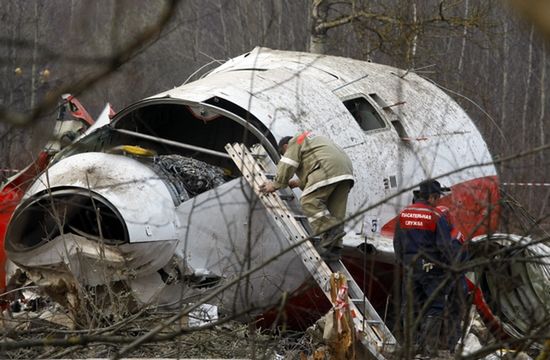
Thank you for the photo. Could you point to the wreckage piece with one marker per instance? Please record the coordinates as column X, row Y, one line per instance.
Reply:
column 189, row 175
column 397, row 128
column 371, row 331
column 99, row 201
column 514, row 277
column 66, row 130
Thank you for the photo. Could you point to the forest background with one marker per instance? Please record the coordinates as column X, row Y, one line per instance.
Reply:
column 482, row 53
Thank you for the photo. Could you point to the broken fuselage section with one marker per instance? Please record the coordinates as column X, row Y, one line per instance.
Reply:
column 154, row 202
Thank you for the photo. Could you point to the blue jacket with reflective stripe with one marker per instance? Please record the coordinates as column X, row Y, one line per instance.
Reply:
column 421, row 232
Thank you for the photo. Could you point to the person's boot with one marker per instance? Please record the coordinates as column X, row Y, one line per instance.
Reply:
column 331, row 254
column 335, row 234
column 453, row 337
column 428, row 341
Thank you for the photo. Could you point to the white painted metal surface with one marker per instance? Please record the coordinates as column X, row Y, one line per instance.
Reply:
column 291, row 92
column 134, row 189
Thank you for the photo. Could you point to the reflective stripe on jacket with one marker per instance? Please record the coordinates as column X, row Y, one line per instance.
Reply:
column 421, row 232
column 317, row 162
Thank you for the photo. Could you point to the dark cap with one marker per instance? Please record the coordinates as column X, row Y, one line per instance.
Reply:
column 283, row 142
column 428, row 187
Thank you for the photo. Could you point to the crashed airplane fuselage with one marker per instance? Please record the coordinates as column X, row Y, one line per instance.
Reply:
column 153, row 201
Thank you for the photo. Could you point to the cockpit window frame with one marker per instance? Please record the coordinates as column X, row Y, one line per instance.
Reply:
column 378, row 112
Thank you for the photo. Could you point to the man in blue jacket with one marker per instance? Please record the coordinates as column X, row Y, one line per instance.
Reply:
column 422, row 245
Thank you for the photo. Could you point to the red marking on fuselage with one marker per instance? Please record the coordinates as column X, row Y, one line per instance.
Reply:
column 474, row 206
column 10, row 196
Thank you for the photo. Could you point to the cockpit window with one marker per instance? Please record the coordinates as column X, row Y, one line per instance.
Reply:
column 365, row 114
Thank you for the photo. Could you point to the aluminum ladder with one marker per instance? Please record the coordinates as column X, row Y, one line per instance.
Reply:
column 257, row 167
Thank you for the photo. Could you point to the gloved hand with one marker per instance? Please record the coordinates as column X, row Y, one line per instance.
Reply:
column 267, row 187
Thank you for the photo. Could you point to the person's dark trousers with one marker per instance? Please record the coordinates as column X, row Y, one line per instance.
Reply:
column 457, row 305
column 431, row 288
column 408, row 313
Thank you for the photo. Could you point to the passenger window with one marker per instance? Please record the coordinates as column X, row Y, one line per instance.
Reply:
column 365, row 114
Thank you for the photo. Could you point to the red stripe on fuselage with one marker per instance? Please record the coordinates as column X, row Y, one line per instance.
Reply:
column 474, row 205
column 10, row 195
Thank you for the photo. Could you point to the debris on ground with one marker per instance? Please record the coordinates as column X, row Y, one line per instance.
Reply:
column 225, row 339
column 28, row 331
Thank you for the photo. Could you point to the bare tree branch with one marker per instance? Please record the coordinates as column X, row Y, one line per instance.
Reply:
column 118, row 59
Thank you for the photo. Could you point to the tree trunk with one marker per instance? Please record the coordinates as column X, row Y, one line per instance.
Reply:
column 542, row 97
column 527, row 87
column 504, row 87
column 542, row 86
column 226, row 45
column 412, row 55
column 34, row 56
column 464, row 33
column 318, row 37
